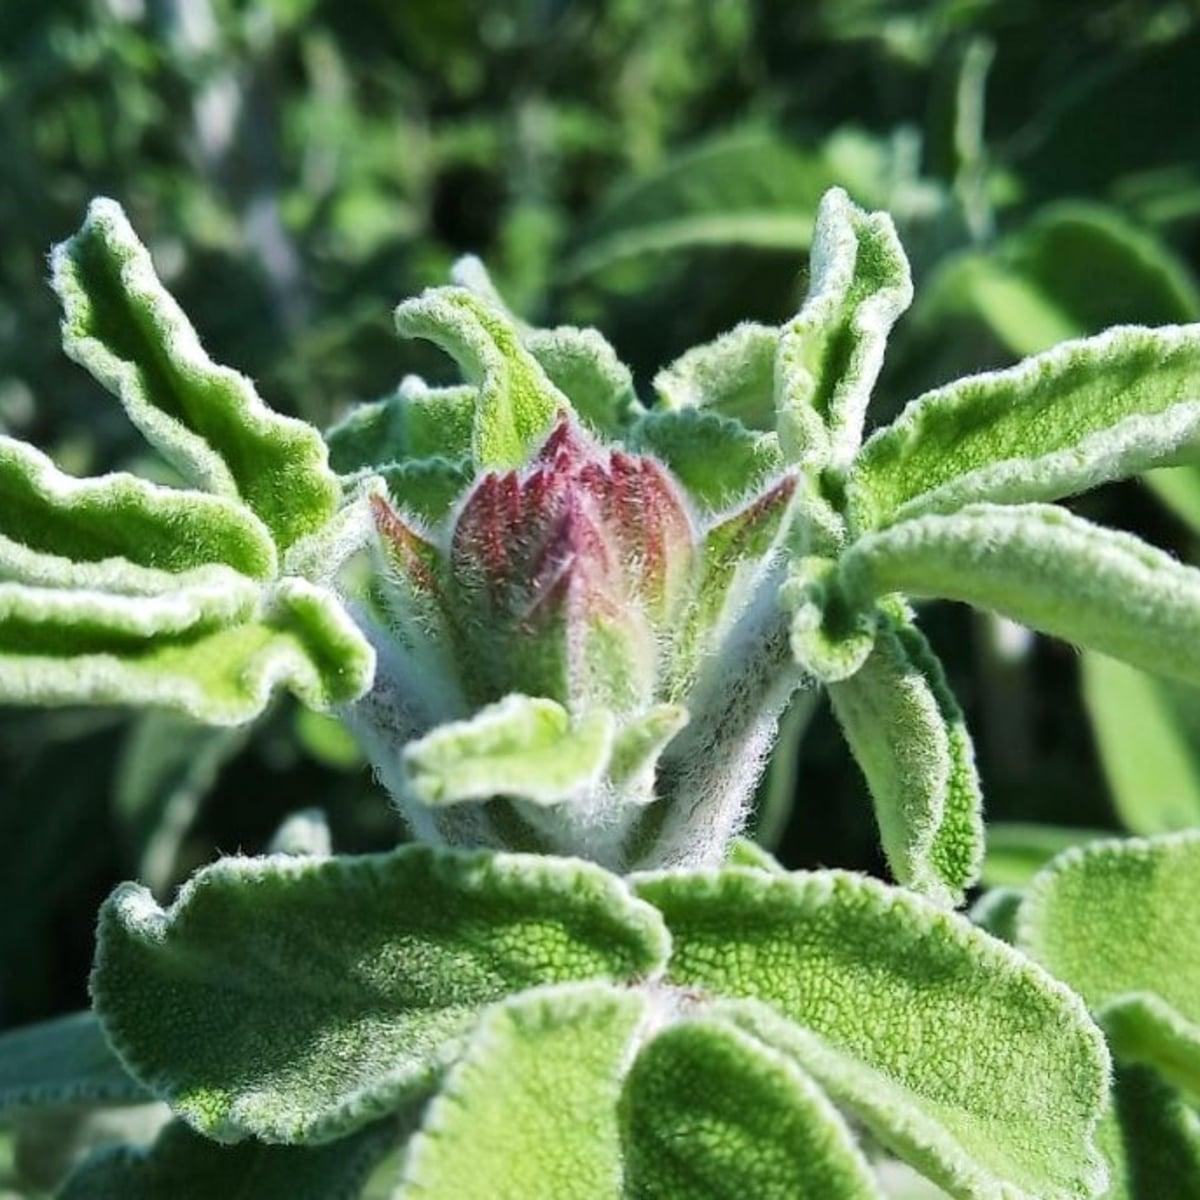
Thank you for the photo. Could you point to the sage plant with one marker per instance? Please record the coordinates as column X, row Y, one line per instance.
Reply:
column 563, row 627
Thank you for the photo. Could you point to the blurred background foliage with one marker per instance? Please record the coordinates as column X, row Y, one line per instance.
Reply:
column 297, row 166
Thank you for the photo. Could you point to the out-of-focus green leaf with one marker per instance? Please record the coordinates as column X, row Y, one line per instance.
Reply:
column 1017, row 850
column 1150, row 755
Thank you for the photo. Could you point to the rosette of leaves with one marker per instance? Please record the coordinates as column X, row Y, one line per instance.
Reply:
column 1112, row 920
column 444, row 1023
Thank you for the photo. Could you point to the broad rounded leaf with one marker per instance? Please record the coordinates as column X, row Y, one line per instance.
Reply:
column 1077, row 416
column 1113, row 920
column 709, row 1112
column 181, row 1165
column 958, row 1053
column 122, row 325
column 1041, row 566
column 531, row 1109
column 297, row 999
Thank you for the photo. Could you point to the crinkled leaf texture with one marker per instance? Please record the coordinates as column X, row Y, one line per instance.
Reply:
column 297, row 999
column 1112, row 919
column 116, row 590
column 182, row 1165
column 959, row 1054
column 709, row 1111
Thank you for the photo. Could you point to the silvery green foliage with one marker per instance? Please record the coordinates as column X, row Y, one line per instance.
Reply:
column 569, row 635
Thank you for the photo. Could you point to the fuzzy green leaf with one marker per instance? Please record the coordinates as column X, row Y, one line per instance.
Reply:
column 522, row 746
column 1151, row 1139
column 214, row 651
column 63, row 1061
column 708, row 1111
column 1150, row 756
column 531, row 1109
column 958, row 1053
column 831, row 352
column 415, row 422
column 733, row 375
column 181, row 1165
column 909, row 737
column 718, row 460
column 745, row 853
column 586, row 369
column 1111, row 920
column 1041, row 566
column 1077, row 416
column 515, row 403
column 996, row 911
column 396, row 953
column 207, row 420
column 118, row 532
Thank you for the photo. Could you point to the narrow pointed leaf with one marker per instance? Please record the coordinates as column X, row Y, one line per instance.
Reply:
column 63, row 532
column 1111, row 920
column 831, row 353
column 182, row 1165
column 708, row 1111
column 718, row 460
column 1150, row 756
column 639, row 742
column 123, row 326
column 1041, row 566
column 733, row 375
column 909, row 737
column 1065, row 421
column 297, row 999
column 1151, row 1139
column 516, row 403
column 523, row 747
column 958, row 1053
column 531, row 1109
column 215, row 651
column 63, row 1061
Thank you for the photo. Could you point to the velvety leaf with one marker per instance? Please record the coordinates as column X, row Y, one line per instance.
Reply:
column 396, row 953
column 515, row 403
column 908, row 735
column 214, row 651
column 1077, row 416
column 1150, row 757
column 586, row 369
column 708, row 1111
column 428, row 487
column 207, row 420
column 1151, row 1139
column 958, row 1054
column 66, row 1060
column 531, row 1108
column 1111, row 920
column 831, row 352
column 181, row 1165
column 117, row 533
column 1043, row 567
column 522, row 746
column 718, row 460
column 416, row 422
column 733, row 375
column 639, row 742
column 1017, row 851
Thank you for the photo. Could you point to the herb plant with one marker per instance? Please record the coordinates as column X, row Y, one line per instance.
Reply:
column 563, row 627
